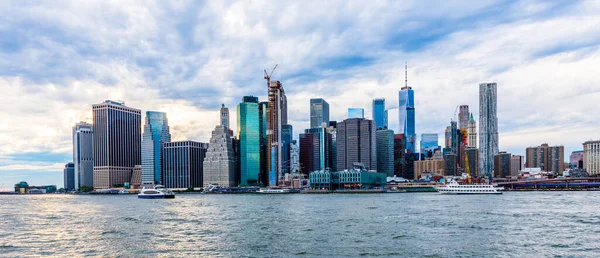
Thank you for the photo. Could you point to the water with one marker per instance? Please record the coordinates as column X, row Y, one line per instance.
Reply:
column 335, row 225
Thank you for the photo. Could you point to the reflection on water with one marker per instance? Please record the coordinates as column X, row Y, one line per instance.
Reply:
column 513, row 224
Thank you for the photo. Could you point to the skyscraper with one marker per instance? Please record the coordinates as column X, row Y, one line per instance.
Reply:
column 294, row 157
column 183, row 164
column 473, row 164
column 488, row 127
column 463, row 117
column 264, row 148
column 406, row 115
column 399, row 154
column 117, row 140
column 356, row 143
column 69, row 176
column 248, row 133
column 276, row 120
column 219, row 164
column 83, row 154
column 156, row 133
column 224, row 116
column 472, row 132
column 356, row 113
column 287, row 135
column 319, row 112
column 315, row 150
column 380, row 115
column 385, row 151
column 429, row 143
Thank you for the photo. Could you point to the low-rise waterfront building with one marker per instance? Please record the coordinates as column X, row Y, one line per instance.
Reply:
column 430, row 165
column 347, row 179
column 502, row 165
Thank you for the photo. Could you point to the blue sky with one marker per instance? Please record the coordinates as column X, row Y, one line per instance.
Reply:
column 57, row 58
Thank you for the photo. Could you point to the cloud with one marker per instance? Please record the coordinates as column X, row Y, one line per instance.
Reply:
column 186, row 58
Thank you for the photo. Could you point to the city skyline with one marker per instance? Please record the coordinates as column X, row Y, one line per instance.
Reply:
column 189, row 75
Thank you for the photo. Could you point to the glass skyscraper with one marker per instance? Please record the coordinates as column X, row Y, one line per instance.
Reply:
column 356, row 113
column 488, row 127
column 156, row 133
column 406, row 117
column 319, row 112
column 249, row 135
column 380, row 114
column 429, row 142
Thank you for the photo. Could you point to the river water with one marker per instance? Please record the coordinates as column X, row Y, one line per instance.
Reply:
column 515, row 224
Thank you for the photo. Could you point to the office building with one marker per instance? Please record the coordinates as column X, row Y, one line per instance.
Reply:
column 406, row 115
column 276, row 118
column 385, row 151
column 488, row 127
column 315, row 150
column 83, row 154
column 356, row 143
column 319, row 112
column 463, row 117
column 399, row 154
column 117, row 143
column 219, row 164
column 548, row 158
column 248, row 133
column 430, row 165
column 183, row 164
column 356, row 113
column 576, row 159
column 136, row 177
column 380, row 114
column 450, row 168
column 156, row 133
column 287, row 134
column 502, row 165
column 591, row 157
column 69, row 177
column 429, row 143
column 264, row 149
column 472, row 132
column 224, row 116
column 332, row 129
column 516, row 165
column 448, row 137
column 295, row 157
column 472, row 155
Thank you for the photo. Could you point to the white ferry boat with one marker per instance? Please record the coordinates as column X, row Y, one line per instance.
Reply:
column 454, row 188
column 158, row 192
column 274, row 191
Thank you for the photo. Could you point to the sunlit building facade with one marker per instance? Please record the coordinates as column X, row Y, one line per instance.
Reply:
column 248, row 133
column 156, row 133
column 319, row 112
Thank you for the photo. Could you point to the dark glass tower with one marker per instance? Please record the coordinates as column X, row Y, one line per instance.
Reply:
column 319, row 112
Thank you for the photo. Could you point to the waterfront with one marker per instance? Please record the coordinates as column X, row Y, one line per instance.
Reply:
column 334, row 225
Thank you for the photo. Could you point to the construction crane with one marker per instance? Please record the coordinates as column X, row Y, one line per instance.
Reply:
column 268, row 75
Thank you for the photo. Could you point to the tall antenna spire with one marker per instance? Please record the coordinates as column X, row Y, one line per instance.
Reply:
column 405, row 74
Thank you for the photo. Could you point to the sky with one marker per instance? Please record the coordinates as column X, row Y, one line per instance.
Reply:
column 57, row 58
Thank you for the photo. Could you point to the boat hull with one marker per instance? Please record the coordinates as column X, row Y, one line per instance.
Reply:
column 153, row 196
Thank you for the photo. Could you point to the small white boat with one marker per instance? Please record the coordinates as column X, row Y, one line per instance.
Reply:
column 454, row 188
column 124, row 191
column 274, row 191
column 158, row 192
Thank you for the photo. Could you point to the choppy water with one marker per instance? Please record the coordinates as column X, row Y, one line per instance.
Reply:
column 523, row 224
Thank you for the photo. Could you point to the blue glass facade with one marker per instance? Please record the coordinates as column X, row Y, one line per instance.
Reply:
column 406, row 117
column 428, row 144
column 356, row 113
column 156, row 133
column 249, row 135
column 287, row 133
column 319, row 112
column 380, row 115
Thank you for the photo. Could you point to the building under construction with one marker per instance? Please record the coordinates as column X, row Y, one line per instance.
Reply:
column 276, row 118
